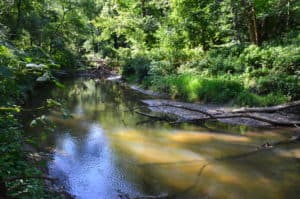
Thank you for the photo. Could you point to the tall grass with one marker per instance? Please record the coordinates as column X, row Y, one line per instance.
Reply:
column 220, row 89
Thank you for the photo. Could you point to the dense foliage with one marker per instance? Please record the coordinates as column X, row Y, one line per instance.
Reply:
column 38, row 39
column 244, row 52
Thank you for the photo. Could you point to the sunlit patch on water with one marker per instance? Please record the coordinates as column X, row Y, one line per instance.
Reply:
column 228, row 167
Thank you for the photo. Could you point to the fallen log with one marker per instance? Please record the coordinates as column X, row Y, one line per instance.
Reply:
column 270, row 109
column 251, row 116
column 225, row 116
column 200, row 113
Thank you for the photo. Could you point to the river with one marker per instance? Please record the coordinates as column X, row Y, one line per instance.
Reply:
column 106, row 151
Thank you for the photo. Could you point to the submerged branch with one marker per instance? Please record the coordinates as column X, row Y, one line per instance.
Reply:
column 192, row 186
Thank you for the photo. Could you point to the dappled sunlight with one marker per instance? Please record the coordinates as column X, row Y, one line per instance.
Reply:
column 198, row 137
column 182, row 144
column 147, row 150
column 289, row 153
column 270, row 134
column 166, row 156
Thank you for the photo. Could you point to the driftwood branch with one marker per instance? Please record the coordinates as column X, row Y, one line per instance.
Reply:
column 251, row 116
column 217, row 114
column 190, row 109
column 226, row 116
column 174, row 106
column 270, row 109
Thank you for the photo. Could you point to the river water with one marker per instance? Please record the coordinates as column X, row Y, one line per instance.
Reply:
column 106, row 151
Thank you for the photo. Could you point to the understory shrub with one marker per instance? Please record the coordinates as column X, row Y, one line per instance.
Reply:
column 137, row 66
column 289, row 85
column 235, row 73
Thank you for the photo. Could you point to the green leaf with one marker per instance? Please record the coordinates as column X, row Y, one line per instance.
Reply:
column 14, row 109
column 58, row 84
column 28, row 59
column 53, row 103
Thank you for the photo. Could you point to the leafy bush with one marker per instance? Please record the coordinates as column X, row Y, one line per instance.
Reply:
column 137, row 66
column 247, row 98
column 289, row 85
column 15, row 81
column 219, row 90
column 66, row 58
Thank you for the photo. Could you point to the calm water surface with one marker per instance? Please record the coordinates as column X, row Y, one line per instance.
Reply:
column 105, row 150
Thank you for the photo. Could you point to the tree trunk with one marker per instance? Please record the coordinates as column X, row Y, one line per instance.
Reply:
column 288, row 15
column 250, row 14
column 19, row 12
column 143, row 8
column 236, row 24
column 14, row 32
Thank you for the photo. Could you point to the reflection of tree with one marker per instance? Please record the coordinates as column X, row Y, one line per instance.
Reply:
column 102, row 101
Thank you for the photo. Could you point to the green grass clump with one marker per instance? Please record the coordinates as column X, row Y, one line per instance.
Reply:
column 218, row 90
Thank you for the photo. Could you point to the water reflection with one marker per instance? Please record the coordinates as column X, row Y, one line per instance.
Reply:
column 87, row 167
column 101, row 150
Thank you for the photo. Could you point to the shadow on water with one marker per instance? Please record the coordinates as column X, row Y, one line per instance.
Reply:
column 101, row 151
